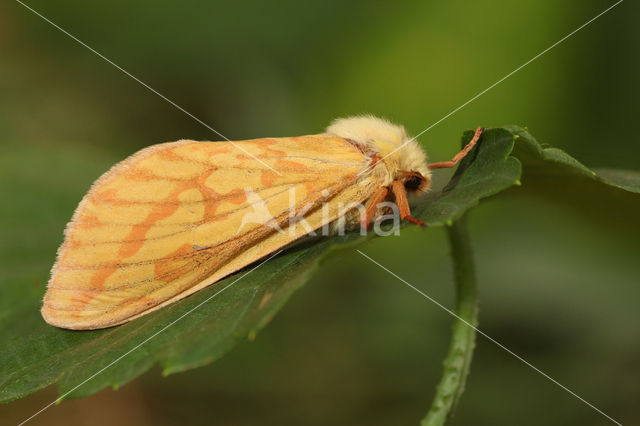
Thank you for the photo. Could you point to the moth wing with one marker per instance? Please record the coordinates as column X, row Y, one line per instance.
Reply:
column 177, row 217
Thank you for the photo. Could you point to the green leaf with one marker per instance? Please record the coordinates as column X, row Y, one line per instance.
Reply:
column 549, row 162
column 607, row 197
column 208, row 324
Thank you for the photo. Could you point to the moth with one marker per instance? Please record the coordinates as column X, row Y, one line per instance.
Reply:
column 172, row 218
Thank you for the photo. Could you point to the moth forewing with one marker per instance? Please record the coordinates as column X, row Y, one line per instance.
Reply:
column 164, row 223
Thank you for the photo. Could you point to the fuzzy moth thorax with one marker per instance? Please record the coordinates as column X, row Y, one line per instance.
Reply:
column 379, row 138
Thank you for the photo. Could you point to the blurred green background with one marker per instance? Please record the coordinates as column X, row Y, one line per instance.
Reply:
column 355, row 346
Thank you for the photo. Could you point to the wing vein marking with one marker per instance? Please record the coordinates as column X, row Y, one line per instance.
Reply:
column 171, row 152
column 132, row 284
column 111, row 265
column 189, row 225
column 221, row 197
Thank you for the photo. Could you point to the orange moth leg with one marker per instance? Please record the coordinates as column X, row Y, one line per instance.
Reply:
column 403, row 203
column 370, row 211
column 459, row 156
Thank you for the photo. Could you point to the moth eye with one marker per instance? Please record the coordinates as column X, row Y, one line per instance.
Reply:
column 413, row 183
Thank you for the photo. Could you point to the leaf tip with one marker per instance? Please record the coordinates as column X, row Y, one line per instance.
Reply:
column 518, row 182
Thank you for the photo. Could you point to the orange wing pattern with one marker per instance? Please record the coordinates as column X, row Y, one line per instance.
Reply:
column 172, row 219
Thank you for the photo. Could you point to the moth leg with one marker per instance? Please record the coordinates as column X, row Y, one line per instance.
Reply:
column 370, row 211
column 459, row 156
column 403, row 203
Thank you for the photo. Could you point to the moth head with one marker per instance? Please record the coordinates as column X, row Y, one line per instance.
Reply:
column 402, row 155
